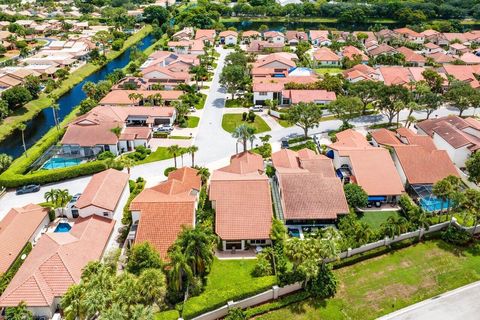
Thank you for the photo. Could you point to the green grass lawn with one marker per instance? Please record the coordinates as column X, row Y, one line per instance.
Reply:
column 233, row 103
column 228, row 280
column 232, row 120
column 192, row 122
column 201, row 103
column 328, row 70
column 375, row 218
column 160, row 154
column 381, row 285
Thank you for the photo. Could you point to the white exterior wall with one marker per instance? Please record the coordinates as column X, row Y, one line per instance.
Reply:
column 135, row 216
column 399, row 167
column 42, row 225
column 339, row 161
column 257, row 96
column 43, row 311
column 139, row 142
column 328, row 63
column 277, row 39
column 458, row 156
column 91, row 210
column 230, row 40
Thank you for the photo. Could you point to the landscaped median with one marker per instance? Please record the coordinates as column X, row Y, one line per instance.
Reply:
column 232, row 120
column 31, row 109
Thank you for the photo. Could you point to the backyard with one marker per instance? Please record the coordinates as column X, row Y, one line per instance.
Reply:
column 375, row 218
column 232, row 120
column 380, row 285
column 228, row 280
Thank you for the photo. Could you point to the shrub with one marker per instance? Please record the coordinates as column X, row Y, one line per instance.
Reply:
column 235, row 314
column 244, row 116
column 263, row 267
column 51, row 215
column 251, row 116
column 278, row 304
column 105, row 155
column 324, row 285
column 270, row 171
column 264, row 150
column 356, row 196
column 456, row 236
column 161, row 135
column 168, row 170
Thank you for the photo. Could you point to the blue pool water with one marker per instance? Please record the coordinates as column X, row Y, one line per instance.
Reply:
column 55, row 163
column 294, row 232
column 38, row 126
column 433, row 204
column 63, row 227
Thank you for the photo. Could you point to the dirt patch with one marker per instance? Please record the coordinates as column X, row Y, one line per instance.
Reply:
column 405, row 264
column 374, row 298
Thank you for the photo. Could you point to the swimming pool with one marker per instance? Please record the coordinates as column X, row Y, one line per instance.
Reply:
column 294, row 232
column 63, row 227
column 55, row 163
column 433, row 204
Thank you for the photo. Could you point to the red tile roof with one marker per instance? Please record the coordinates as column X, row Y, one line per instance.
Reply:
column 56, row 262
column 351, row 52
column 121, row 97
column 297, row 96
column 166, row 207
column 205, row 34
column 104, row 190
column 16, row 229
column 325, row 54
column 309, row 187
column 242, row 199
column 411, row 56
column 277, row 84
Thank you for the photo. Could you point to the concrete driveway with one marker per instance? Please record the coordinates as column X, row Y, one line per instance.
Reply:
column 461, row 303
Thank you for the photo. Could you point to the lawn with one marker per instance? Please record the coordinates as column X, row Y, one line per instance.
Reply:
column 380, row 285
column 160, row 154
column 228, row 280
column 233, row 103
column 328, row 70
column 201, row 103
column 192, row 122
column 375, row 218
column 232, row 120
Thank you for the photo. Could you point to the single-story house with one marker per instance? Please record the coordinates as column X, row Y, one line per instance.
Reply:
column 228, row 37
column 411, row 57
column 17, row 228
column 322, row 97
column 325, row 57
column 250, row 35
column 410, row 35
column 160, row 212
column 272, row 88
column 294, row 37
column 206, row 36
column 353, row 53
column 319, row 38
column 274, row 37
column 118, row 98
column 309, row 191
column 356, row 161
column 240, row 195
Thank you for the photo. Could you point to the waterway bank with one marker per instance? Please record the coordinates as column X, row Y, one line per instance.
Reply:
column 44, row 119
column 34, row 108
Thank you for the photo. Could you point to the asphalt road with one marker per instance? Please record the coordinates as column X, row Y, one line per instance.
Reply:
column 461, row 303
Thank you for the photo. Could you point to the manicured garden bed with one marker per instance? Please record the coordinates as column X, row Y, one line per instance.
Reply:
column 232, row 120
column 380, row 285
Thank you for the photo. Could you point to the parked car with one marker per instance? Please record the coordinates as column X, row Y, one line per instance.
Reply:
column 192, row 109
column 256, row 108
column 75, row 198
column 164, row 128
column 30, row 188
column 285, row 144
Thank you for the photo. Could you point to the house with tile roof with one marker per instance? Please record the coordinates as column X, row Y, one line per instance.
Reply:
column 207, row 36
column 265, row 88
column 353, row 53
column 457, row 136
column 240, row 195
column 410, row 35
column 294, row 37
column 356, row 161
column 258, row 46
column 274, row 37
column 250, row 35
column 319, row 38
column 93, row 132
column 159, row 213
column 325, row 57
column 412, row 58
column 56, row 263
column 463, row 73
column 117, row 98
column 309, row 191
column 228, row 37
column 274, row 65
column 416, row 157
column 102, row 195
column 17, row 228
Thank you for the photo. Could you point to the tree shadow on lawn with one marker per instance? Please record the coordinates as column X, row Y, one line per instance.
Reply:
column 299, row 308
column 472, row 248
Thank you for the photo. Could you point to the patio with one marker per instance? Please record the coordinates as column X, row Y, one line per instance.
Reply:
column 229, row 255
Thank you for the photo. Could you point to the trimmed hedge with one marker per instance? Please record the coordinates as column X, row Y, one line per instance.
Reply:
column 278, row 304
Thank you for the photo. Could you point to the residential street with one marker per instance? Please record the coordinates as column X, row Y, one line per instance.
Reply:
column 215, row 145
column 461, row 303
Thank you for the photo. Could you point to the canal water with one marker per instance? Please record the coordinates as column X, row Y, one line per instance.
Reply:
column 44, row 121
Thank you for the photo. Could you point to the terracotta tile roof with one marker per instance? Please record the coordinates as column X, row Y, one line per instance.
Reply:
column 473, row 122
column 250, row 33
column 411, row 56
column 372, row 167
column 463, row 73
column 451, row 36
column 325, row 54
column 272, row 34
column 16, row 229
column 429, row 32
column 104, row 190
column 401, row 75
column 296, row 35
column 166, row 207
column 381, row 49
column 470, row 58
column 319, row 34
column 135, row 133
column 227, row 33
column 440, row 57
column 274, row 58
column 407, row 31
column 351, row 51
column 277, row 84
column 205, row 34
column 120, row 97
column 164, row 73
column 56, row 262
column 242, row 199
column 297, row 96
column 385, row 137
column 260, row 45
column 310, row 188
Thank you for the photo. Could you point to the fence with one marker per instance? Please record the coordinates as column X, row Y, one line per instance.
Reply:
column 277, row 292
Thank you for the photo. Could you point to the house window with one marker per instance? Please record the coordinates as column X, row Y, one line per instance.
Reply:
column 263, row 93
column 106, row 214
column 258, row 242
column 229, row 245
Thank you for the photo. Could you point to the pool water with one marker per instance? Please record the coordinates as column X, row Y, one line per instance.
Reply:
column 55, row 163
column 433, row 204
column 63, row 227
column 294, row 232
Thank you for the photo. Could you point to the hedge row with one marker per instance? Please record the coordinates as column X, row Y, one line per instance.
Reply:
column 278, row 304
column 13, row 180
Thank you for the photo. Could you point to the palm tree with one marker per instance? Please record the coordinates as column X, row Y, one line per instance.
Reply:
column 192, row 150
column 22, row 128
column 152, row 286
column 204, row 174
column 174, row 151
column 179, row 268
column 182, row 152
column 135, row 97
column 55, row 108
column 266, row 138
column 128, row 163
column 71, row 303
column 471, row 204
column 51, row 196
column 198, row 245
column 19, row 312
column 442, row 189
column 244, row 133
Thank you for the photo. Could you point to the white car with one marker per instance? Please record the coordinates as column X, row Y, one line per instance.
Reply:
column 256, row 108
column 164, row 128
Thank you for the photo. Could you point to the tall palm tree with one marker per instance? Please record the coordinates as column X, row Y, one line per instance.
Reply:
column 182, row 152
column 55, row 108
column 442, row 189
column 19, row 312
column 22, row 128
column 128, row 163
column 174, row 150
column 192, row 149
column 204, row 174
column 472, row 205
column 244, row 133
column 71, row 303
column 152, row 286
column 198, row 245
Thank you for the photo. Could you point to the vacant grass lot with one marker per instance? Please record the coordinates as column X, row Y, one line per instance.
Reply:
column 328, row 70
column 375, row 218
column 380, row 285
column 228, row 280
column 160, row 154
column 232, row 120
